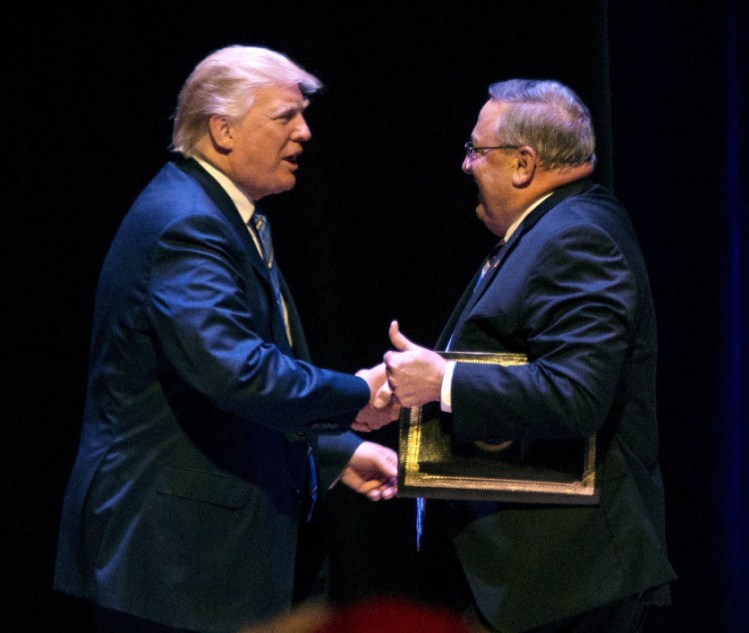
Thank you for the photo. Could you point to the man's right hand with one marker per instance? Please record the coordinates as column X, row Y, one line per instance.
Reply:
column 382, row 408
column 414, row 373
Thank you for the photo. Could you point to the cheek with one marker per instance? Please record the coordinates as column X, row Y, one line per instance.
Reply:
column 488, row 184
column 261, row 152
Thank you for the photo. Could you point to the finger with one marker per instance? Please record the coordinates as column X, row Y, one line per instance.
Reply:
column 374, row 495
column 390, row 491
column 389, row 465
column 370, row 487
column 395, row 411
column 387, row 359
column 362, row 427
column 386, row 491
column 385, row 417
column 383, row 397
column 400, row 342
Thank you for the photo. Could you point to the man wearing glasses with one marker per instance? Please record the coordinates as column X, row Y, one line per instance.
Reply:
column 567, row 287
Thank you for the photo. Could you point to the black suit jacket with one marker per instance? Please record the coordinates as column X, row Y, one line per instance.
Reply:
column 184, row 502
column 571, row 292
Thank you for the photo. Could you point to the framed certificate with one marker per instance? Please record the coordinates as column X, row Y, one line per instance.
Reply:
column 433, row 465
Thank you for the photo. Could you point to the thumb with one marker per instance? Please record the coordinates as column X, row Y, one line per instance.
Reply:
column 383, row 397
column 400, row 342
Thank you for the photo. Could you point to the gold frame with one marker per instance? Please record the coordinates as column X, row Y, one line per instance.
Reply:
column 432, row 466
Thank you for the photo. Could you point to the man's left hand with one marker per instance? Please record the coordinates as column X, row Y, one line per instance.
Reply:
column 372, row 471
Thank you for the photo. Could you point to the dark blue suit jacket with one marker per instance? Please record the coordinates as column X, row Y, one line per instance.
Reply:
column 184, row 501
column 571, row 292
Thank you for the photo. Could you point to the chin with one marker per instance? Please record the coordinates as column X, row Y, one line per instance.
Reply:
column 286, row 184
column 279, row 187
column 486, row 220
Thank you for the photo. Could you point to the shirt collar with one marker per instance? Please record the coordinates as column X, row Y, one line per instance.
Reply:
column 244, row 204
column 525, row 213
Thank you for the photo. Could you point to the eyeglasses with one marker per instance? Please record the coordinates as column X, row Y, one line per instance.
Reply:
column 472, row 152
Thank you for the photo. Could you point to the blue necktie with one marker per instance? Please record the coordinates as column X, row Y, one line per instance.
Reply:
column 312, row 483
column 262, row 229
column 491, row 261
column 421, row 503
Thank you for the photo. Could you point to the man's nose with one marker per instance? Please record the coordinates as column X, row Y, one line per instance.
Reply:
column 302, row 131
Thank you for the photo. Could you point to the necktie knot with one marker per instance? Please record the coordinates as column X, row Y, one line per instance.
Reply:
column 493, row 258
column 494, row 253
column 262, row 229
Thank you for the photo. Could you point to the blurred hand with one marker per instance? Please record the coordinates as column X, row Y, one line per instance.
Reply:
column 414, row 373
column 382, row 408
column 308, row 617
column 372, row 471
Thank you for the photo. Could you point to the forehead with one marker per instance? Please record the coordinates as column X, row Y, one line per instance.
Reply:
column 489, row 117
column 279, row 98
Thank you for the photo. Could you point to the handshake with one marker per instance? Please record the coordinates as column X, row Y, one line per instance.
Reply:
column 409, row 376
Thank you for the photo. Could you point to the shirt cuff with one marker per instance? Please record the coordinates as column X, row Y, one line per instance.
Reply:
column 446, row 395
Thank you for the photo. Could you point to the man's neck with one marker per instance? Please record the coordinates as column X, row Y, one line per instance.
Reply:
column 547, row 181
column 542, row 186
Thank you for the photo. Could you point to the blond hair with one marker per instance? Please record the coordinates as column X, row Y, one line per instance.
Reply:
column 225, row 83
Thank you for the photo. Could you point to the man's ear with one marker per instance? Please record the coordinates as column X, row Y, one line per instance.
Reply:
column 525, row 167
column 221, row 133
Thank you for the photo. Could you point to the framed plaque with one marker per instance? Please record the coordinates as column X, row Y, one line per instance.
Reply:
column 433, row 465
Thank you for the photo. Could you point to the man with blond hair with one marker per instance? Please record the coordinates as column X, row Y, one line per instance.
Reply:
column 206, row 428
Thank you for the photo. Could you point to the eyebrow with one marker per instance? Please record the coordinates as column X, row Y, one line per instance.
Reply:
column 285, row 109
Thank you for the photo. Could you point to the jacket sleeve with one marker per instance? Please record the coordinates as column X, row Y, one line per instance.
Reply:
column 572, row 314
column 333, row 454
column 212, row 315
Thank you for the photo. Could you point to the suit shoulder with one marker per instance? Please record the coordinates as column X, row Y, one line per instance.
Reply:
column 595, row 207
column 173, row 189
column 173, row 198
column 172, row 203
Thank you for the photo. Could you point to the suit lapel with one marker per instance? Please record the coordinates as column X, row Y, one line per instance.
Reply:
column 474, row 293
column 300, row 349
column 224, row 203
column 460, row 307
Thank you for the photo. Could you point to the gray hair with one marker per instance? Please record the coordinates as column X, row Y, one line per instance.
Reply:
column 225, row 83
column 549, row 117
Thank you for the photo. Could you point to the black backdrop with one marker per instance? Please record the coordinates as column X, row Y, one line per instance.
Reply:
column 381, row 226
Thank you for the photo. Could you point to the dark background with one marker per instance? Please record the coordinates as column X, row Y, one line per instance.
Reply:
column 381, row 226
